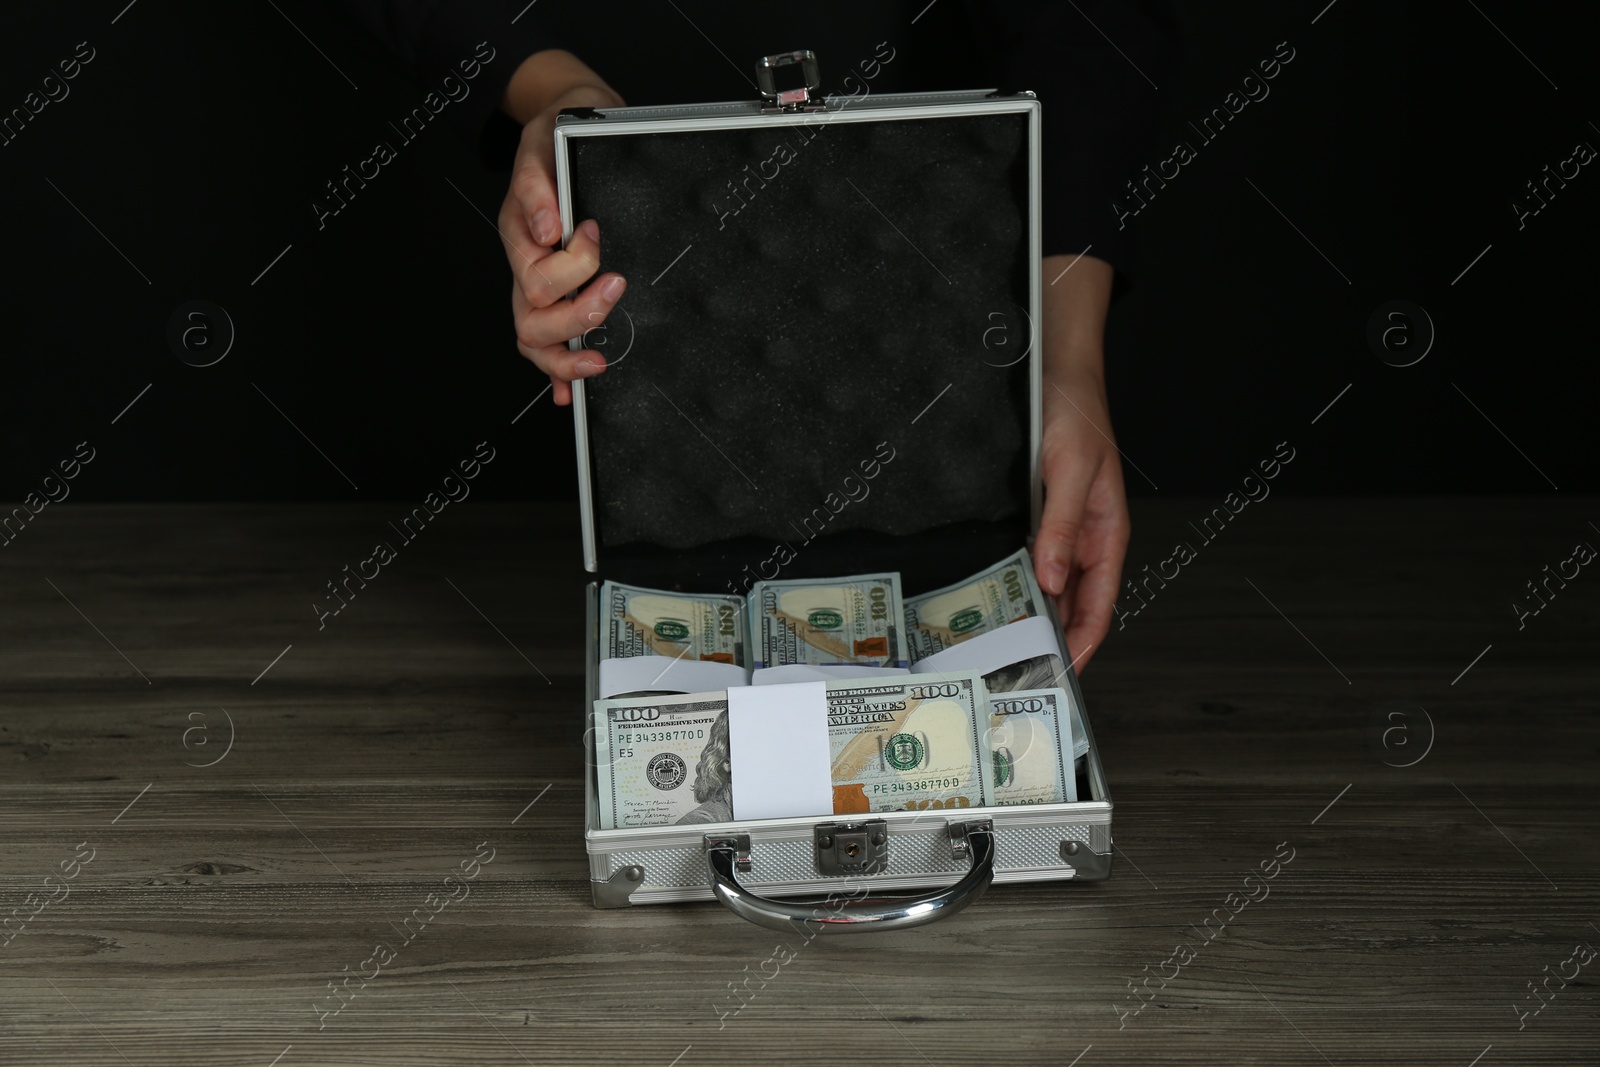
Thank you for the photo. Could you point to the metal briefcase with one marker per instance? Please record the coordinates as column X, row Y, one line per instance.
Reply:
column 816, row 284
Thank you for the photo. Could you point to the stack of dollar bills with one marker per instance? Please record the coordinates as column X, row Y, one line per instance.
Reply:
column 898, row 741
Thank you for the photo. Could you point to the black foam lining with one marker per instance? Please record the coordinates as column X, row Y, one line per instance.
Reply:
column 798, row 296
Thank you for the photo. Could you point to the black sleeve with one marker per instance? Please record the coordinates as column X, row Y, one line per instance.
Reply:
column 1095, row 65
column 437, row 39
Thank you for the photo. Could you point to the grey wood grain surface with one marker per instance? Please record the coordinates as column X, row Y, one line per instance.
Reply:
column 1246, row 706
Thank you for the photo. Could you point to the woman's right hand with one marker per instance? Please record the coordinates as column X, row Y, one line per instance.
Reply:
column 530, row 226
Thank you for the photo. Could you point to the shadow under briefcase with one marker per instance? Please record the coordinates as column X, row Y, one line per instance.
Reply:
column 827, row 363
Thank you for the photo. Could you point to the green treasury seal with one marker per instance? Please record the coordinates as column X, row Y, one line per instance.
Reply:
column 1005, row 766
column 903, row 751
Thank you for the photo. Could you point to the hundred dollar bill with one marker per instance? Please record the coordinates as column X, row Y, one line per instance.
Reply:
column 655, row 622
column 851, row 620
column 1029, row 737
column 990, row 599
column 662, row 760
column 911, row 743
column 904, row 743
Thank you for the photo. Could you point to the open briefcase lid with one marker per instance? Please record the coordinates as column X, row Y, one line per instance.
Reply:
column 827, row 359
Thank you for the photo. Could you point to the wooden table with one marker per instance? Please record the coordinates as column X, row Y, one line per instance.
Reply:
column 1240, row 715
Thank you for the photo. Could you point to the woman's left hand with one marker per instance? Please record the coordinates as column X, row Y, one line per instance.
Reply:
column 1083, row 531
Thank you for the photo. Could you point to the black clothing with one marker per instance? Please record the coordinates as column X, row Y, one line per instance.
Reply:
column 1090, row 62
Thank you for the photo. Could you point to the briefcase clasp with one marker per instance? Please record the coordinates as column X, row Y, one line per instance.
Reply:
column 806, row 98
column 852, row 848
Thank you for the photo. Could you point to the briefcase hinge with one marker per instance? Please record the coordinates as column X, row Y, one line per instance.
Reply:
column 852, row 848
column 806, row 98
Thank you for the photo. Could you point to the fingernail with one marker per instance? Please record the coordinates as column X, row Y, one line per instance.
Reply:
column 1055, row 577
column 543, row 225
column 588, row 368
column 590, row 229
column 612, row 288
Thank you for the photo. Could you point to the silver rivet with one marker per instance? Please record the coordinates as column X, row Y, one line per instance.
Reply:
column 1070, row 848
column 633, row 874
column 878, row 838
column 824, row 841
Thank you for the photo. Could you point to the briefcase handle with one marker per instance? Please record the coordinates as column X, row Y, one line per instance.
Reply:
column 975, row 839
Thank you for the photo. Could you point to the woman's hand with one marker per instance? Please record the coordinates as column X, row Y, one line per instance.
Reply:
column 1083, row 532
column 530, row 225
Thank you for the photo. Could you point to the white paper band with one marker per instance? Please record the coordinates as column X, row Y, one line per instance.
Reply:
column 633, row 674
column 778, row 746
column 808, row 672
column 990, row 651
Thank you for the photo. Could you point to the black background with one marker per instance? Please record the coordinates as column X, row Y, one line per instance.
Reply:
column 195, row 141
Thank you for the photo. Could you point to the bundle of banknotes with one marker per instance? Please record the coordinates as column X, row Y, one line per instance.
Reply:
column 856, row 619
column 1010, row 736
column 860, row 619
column 897, row 743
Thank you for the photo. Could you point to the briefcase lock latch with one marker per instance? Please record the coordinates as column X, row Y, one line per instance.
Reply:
column 805, row 98
column 852, row 848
